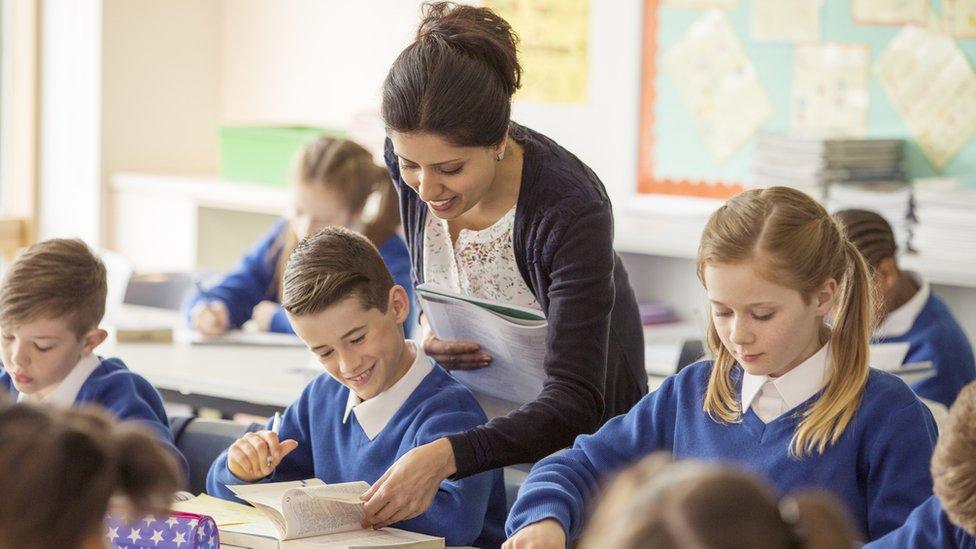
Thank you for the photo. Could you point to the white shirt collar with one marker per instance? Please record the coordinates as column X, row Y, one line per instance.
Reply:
column 901, row 320
column 795, row 387
column 375, row 413
column 67, row 391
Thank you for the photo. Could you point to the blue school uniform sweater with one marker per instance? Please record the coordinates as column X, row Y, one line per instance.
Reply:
column 927, row 527
column 125, row 394
column 250, row 282
column 936, row 336
column 879, row 467
column 465, row 512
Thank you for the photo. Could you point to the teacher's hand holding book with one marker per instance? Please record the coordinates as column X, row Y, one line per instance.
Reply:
column 452, row 355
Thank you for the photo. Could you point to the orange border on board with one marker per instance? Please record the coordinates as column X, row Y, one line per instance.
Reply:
column 646, row 182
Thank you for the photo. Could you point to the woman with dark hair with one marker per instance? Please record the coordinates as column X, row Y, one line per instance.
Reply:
column 495, row 210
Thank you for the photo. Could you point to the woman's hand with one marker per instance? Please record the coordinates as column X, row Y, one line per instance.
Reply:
column 255, row 455
column 210, row 317
column 452, row 355
column 408, row 487
column 545, row 534
column 263, row 313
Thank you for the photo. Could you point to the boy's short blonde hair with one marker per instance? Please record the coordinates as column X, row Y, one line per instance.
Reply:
column 954, row 462
column 58, row 278
column 330, row 266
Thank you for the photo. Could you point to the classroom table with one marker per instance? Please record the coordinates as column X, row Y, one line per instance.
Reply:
column 231, row 378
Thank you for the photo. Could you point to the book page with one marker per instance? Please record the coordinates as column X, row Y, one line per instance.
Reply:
column 718, row 85
column 933, row 87
column 307, row 514
column 888, row 12
column 785, row 20
column 516, row 370
column 386, row 537
column 830, row 88
column 222, row 511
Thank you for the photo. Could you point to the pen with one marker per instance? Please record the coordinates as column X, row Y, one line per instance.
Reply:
column 275, row 428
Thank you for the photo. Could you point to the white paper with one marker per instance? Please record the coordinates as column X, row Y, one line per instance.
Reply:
column 516, row 371
column 718, row 85
column 887, row 356
column 932, row 86
column 830, row 89
column 242, row 337
column 785, row 20
column 960, row 17
column 702, row 4
column 888, row 12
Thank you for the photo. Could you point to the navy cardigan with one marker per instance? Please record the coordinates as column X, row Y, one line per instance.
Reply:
column 563, row 243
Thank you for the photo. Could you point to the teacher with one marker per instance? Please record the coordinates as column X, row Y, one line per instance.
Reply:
column 495, row 210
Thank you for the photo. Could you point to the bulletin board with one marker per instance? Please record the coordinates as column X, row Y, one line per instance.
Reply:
column 677, row 157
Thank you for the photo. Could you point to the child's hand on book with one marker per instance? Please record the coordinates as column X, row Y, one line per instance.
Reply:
column 452, row 355
column 255, row 455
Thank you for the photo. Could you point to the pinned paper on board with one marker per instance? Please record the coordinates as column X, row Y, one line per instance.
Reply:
column 889, row 12
column 553, row 47
column 932, row 86
column 830, row 89
column 718, row 85
column 702, row 4
column 785, row 20
column 960, row 17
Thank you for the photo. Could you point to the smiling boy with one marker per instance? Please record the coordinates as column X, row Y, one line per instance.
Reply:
column 381, row 396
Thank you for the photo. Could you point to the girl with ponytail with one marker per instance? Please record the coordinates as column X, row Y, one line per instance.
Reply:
column 789, row 394
column 661, row 504
column 492, row 209
column 333, row 181
column 60, row 467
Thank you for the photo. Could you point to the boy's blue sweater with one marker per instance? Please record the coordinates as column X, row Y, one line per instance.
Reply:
column 937, row 337
column 879, row 467
column 927, row 527
column 124, row 393
column 250, row 282
column 465, row 512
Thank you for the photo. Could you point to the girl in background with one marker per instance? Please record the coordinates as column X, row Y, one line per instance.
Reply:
column 333, row 180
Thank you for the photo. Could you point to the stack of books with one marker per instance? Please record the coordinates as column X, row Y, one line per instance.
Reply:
column 891, row 200
column 946, row 226
column 813, row 164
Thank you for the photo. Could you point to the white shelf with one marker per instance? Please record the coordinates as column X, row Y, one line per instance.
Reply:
column 664, row 234
column 205, row 191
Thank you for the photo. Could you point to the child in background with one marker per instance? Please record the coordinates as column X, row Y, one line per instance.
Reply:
column 381, row 398
column 332, row 181
column 52, row 300
column 947, row 519
column 660, row 504
column 910, row 312
column 58, row 469
column 788, row 396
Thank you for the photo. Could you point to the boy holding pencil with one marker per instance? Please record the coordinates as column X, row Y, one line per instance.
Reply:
column 381, row 396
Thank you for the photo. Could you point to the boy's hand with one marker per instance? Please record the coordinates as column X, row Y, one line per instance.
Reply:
column 210, row 317
column 452, row 355
column 263, row 313
column 545, row 534
column 255, row 455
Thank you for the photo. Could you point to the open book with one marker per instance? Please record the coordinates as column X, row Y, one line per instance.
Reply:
column 310, row 513
column 515, row 338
